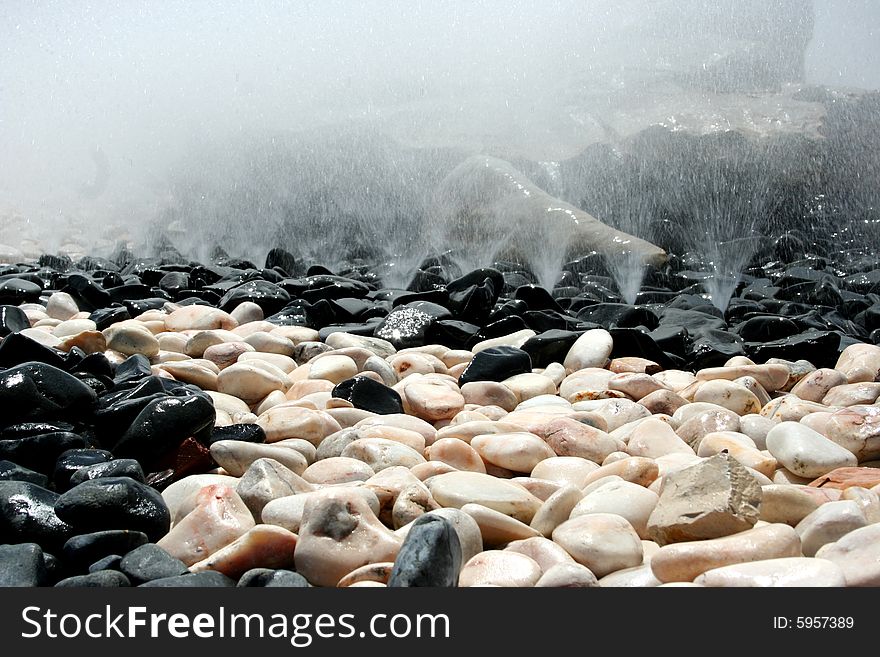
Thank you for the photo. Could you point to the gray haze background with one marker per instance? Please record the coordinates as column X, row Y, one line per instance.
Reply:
column 145, row 83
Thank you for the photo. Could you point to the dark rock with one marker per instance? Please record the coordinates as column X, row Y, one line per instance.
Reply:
column 96, row 364
column 369, row 395
column 249, row 433
column 97, row 579
column 40, row 452
column 430, row 555
column 549, row 346
column 548, row 320
column 472, row 296
column 266, row 295
column 174, row 282
column 27, row 514
column 16, row 291
column 83, row 549
column 70, row 461
column 190, row 457
column 137, row 307
column 268, row 578
column 105, row 317
column 135, row 291
column 509, row 308
column 149, row 562
column 12, row 320
column 537, row 298
column 22, row 565
column 87, row 293
column 114, row 468
column 114, row 503
column 452, row 333
column 10, row 471
column 161, row 479
column 283, row 260
column 869, row 318
column 27, row 429
column 366, row 330
column 16, row 349
column 110, row 562
column 496, row 364
column 499, row 328
column 35, row 391
column 635, row 342
column 714, row 348
column 207, row 578
column 406, row 326
column 132, row 368
column 819, row 347
column 164, row 424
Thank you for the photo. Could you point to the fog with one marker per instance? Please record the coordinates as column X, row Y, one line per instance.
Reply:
column 103, row 104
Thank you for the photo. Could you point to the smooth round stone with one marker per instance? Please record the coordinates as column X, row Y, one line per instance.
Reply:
column 245, row 312
column 756, row 427
column 574, row 386
column 227, row 353
column 828, row 523
column 662, row 401
column 467, row 430
column 262, row 546
column 790, row 409
column 430, row 555
column 545, row 552
column 636, row 577
column 199, row 373
column 740, row 447
column 569, row 437
column 542, row 401
column 249, row 382
column 236, row 456
column 198, row 317
column 130, row 338
column 567, row 575
column 683, row 562
column 540, row 488
column 615, row 412
column 218, row 517
column 857, row 429
column 602, row 542
column 489, row 393
column 565, row 470
column 149, row 562
column 265, row 480
column 868, row 501
column 815, row 385
column 519, row 452
column 500, row 568
column 693, row 429
column 412, row 439
column 340, row 533
column 73, row 327
column 41, row 336
column 497, row 528
column 457, row 454
column 556, row 509
column 82, row 550
column 61, row 306
column 635, row 385
column 591, row 349
column 859, row 362
column 270, row 343
column 529, row 385
column 637, row 469
column 202, row 340
column 850, row 394
column 857, row 554
column 337, row 470
column 785, row 572
column 466, row 528
column 805, row 452
column 405, row 365
column 284, row 363
column 97, row 579
column 380, row 453
column 411, row 503
column 333, row 368
column 287, row 511
column 455, row 489
column 282, row 422
column 516, row 339
column 653, row 438
column 402, row 421
column 786, row 504
column 433, row 402
column 623, row 498
column 771, row 377
column 180, row 496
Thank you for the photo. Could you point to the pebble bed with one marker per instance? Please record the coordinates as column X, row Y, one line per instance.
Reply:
column 178, row 424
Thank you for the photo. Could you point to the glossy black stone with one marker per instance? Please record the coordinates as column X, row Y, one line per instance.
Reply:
column 105, row 317
column 406, row 326
column 452, row 333
column 369, row 395
column 35, row 391
column 165, row 423
column 549, row 346
column 83, row 549
column 819, row 347
column 430, row 555
column 536, row 297
column 110, row 562
column 10, row 471
column 98, row 579
column 268, row 296
column 22, row 565
column 87, row 293
column 72, row 460
column 114, row 503
column 114, row 468
column 283, row 260
column 18, row 349
column 16, row 291
column 12, row 320
column 268, row 578
column 27, row 514
column 249, row 433
column 148, row 562
column 39, row 452
column 496, row 364
column 132, row 368
column 472, row 296
column 204, row 579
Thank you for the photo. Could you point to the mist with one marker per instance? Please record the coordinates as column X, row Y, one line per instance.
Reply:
column 116, row 115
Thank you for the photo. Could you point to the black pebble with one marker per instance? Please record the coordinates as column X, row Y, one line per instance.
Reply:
column 430, row 555
column 268, row 578
column 84, row 549
column 72, row 460
column 22, row 565
column 149, row 562
column 10, row 471
column 97, row 579
column 39, row 452
column 27, row 514
column 12, row 320
column 207, row 578
column 36, row 391
column 496, row 364
column 114, row 468
column 110, row 562
column 248, row 433
column 369, row 395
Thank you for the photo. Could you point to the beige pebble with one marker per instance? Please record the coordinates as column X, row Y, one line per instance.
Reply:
column 569, row 437
column 412, row 502
column 805, row 452
column 652, row 438
column 71, row 327
column 565, row 470
column 635, row 385
column 602, row 542
column 433, row 402
column 405, row 365
column 567, row 575
column 199, row 317
column 771, row 377
column 859, row 362
column 815, row 385
column 623, row 498
column 130, row 338
column 226, row 353
column 683, row 562
column 199, row 341
column 287, row 511
column 497, row 528
column 857, row 554
column 828, row 523
column 789, row 408
column 519, row 452
column 249, row 382
column 284, row 363
column 263, row 546
column 283, row 421
column 530, row 385
column 455, row 489
column 198, row 372
column 591, row 349
column 867, row 500
column 236, row 456
column 637, row 469
column 756, row 427
column 380, row 453
column 270, row 343
column 373, row 573
column 61, row 306
column 333, row 368
column 456, row 453
column 500, row 568
column 662, row 401
column 545, row 552
column 337, row 470
column 785, row 503
column 246, row 311
column 404, row 422
column 489, row 393
column 573, row 386
column 635, row 577
column 786, row 571
column 556, row 509
column 692, row 430
column 850, row 394
column 615, row 412
column 857, row 429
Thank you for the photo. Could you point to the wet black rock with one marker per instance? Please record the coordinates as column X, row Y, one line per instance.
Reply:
column 104, row 317
column 369, row 395
column 98, row 579
column 27, row 514
column 132, row 368
column 819, row 347
column 549, row 346
column 496, row 364
column 407, row 326
column 164, row 424
column 110, row 562
column 612, row 315
column 35, row 391
column 114, row 503
column 472, row 296
column 16, row 291
column 174, row 283
column 70, row 461
column 766, row 328
column 149, row 562
column 536, row 297
column 266, row 295
column 22, row 565
column 12, row 320
column 284, row 260
column 268, row 578
column 207, row 578
column 84, row 549
column 115, row 468
column 714, row 348
column 430, row 555
column 40, row 452
column 10, row 471
column 635, row 342
column 500, row 327
column 17, row 349
column 87, row 293
column 248, row 433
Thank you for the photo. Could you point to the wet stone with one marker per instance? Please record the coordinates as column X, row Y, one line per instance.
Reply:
column 10, row 471
column 36, row 391
column 248, row 433
column 72, row 460
column 496, row 364
column 27, row 514
column 206, row 579
column 12, row 320
column 430, row 555
column 269, row 578
column 369, row 395
column 97, row 579
column 22, row 565
column 84, row 549
column 148, row 562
